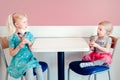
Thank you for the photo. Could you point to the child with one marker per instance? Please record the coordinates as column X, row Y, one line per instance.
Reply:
column 20, row 42
column 100, row 46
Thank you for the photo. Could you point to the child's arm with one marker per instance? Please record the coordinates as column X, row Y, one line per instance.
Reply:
column 103, row 49
column 107, row 45
column 28, row 42
column 91, row 41
column 14, row 51
column 91, row 45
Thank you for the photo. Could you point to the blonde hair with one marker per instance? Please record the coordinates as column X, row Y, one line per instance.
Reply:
column 107, row 25
column 11, row 21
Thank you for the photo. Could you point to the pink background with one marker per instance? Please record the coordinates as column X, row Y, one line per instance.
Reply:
column 63, row 12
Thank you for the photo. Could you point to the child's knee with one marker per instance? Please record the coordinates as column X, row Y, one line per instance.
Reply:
column 107, row 59
column 38, row 69
column 86, row 58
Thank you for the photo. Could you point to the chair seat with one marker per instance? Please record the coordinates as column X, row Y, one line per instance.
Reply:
column 74, row 66
column 43, row 65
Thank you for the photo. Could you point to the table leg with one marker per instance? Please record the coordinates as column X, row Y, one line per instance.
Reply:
column 60, row 65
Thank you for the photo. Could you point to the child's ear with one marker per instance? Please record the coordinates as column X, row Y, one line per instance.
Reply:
column 16, row 24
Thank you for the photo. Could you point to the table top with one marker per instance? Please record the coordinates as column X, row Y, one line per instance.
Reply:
column 59, row 45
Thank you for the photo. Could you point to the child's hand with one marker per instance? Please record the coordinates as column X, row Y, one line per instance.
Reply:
column 93, row 44
column 96, row 45
column 21, row 45
column 23, row 42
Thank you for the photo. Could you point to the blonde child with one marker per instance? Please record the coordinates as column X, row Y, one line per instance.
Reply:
column 20, row 42
column 99, row 46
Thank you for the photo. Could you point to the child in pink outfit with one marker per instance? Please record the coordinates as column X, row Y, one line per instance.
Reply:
column 100, row 46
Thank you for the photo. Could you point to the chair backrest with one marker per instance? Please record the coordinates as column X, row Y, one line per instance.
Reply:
column 117, row 46
column 3, row 45
column 114, row 42
column 4, row 42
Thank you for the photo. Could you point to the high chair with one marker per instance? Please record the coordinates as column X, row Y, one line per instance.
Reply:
column 93, row 70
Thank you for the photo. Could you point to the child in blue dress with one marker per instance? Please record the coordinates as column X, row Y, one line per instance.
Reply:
column 20, row 42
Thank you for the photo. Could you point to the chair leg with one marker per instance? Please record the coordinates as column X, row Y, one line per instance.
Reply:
column 6, row 78
column 89, row 77
column 48, row 76
column 95, row 76
column 68, row 73
column 22, row 78
column 109, row 75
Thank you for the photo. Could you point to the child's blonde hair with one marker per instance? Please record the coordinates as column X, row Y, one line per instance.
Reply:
column 11, row 21
column 107, row 25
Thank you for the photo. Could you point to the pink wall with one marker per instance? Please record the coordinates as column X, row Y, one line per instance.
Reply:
column 63, row 12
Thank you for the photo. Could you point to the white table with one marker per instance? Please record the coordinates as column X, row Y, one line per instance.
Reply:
column 60, row 45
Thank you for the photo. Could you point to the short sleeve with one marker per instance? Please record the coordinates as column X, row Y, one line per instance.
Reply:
column 109, row 41
column 30, row 37
column 11, row 42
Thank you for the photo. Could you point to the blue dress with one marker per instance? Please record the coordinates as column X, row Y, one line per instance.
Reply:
column 24, row 59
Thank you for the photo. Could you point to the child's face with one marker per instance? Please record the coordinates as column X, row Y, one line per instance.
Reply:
column 21, row 23
column 101, row 32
